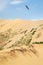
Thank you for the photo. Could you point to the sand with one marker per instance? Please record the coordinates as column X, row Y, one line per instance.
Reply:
column 17, row 57
column 27, row 58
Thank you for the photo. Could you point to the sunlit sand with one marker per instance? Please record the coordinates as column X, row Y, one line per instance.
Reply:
column 20, row 31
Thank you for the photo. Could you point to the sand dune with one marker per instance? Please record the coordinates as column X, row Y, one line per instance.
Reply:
column 16, row 42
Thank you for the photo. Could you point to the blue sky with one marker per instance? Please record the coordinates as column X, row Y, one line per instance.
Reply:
column 12, row 9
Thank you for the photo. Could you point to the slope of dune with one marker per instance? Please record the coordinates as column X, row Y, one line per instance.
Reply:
column 21, row 42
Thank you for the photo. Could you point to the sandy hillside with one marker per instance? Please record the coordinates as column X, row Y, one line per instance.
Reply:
column 21, row 42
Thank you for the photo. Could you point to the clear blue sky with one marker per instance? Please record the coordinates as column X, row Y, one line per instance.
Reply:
column 12, row 9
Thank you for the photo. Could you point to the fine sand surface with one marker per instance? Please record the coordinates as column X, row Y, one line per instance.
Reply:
column 9, row 57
